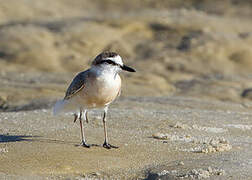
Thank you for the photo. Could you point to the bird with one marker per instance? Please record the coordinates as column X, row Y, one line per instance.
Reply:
column 96, row 87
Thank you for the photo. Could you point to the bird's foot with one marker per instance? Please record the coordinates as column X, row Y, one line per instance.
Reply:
column 109, row 146
column 84, row 144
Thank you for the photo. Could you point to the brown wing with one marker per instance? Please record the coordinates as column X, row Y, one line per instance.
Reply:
column 77, row 84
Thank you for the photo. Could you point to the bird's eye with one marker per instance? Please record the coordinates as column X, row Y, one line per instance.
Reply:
column 109, row 62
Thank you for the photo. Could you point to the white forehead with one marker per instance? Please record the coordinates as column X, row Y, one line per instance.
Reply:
column 117, row 59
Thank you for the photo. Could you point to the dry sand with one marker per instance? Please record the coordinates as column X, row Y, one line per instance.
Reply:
column 36, row 145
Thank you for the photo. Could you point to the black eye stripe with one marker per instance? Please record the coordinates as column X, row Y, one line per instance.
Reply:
column 109, row 62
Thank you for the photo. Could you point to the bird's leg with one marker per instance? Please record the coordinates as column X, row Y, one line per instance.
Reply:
column 86, row 117
column 75, row 117
column 106, row 144
column 82, row 132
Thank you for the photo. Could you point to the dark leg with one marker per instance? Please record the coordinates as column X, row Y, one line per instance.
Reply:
column 75, row 117
column 106, row 144
column 83, row 143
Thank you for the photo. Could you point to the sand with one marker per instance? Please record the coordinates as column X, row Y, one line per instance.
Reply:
column 36, row 145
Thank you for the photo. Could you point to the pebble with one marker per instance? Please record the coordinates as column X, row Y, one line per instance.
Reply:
column 181, row 163
column 203, row 173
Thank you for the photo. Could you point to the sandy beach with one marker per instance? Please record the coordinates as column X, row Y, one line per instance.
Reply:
column 161, row 138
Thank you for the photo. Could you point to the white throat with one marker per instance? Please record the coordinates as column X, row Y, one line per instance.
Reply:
column 105, row 70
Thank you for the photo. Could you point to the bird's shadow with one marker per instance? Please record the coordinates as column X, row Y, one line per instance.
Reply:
column 7, row 138
column 91, row 145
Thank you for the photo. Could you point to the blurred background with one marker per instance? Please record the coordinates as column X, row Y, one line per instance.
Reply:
column 196, row 48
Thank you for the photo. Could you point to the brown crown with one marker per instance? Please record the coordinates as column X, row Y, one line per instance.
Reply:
column 102, row 56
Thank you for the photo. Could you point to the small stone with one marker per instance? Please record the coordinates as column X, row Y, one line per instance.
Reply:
column 210, row 170
column 173, row 171
column 188, row 136
column 3, row 150
column 164, row 172
column 160, row 136
column 216, row 145
column 181, row 126
column 221, row 172
column 96, row 174
column 181, row 163
column 247, row 93
column 202, row 173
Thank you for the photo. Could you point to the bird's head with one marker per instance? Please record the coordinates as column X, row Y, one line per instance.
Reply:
column 111, row 60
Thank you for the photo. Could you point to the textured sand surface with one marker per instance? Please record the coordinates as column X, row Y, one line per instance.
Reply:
column 35, row 144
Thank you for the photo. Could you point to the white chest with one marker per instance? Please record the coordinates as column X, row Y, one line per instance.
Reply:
column 102, row 89
column 107, row 84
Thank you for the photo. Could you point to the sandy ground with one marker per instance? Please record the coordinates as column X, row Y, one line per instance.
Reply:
column 37, row 145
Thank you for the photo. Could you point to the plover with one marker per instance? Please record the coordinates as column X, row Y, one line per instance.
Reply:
column 96, row 87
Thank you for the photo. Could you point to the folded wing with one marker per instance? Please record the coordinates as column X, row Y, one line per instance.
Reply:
column 77, row 84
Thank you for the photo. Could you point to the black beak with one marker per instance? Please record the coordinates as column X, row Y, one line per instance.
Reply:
column 127, row 68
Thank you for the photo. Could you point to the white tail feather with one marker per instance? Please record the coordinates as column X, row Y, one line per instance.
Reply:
column 59, row 107
column 65, row 106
